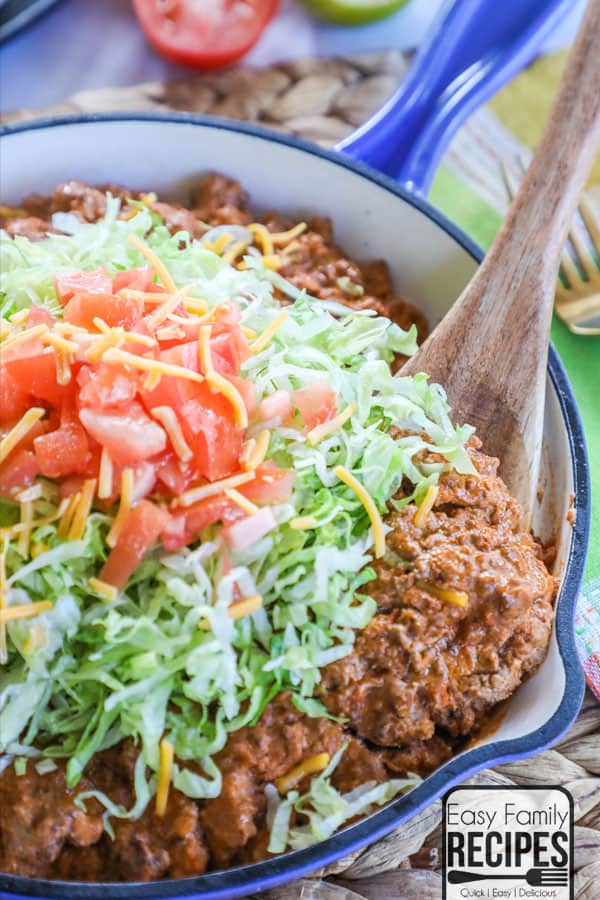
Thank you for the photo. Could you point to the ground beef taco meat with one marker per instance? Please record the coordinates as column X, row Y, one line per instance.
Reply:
column 422, row 677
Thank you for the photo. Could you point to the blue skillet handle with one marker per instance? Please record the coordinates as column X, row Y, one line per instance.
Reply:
column 471, row 50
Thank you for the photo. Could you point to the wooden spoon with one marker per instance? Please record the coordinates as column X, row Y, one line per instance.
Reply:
column 491, row 349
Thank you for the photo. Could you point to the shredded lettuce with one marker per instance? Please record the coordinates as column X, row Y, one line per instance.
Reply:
column 296, row 821
column 87, row 673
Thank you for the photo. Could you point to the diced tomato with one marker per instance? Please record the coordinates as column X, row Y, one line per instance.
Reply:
column 67, row 284
column 71, row 484
column 134, row 279
column 210, row 432
column 229, row 349
column 186, row 525
column 62, row 452
column 83, row 308
column 172, row 391
column 250, row 529
column 18, row 471
column 276, row 408
column 14, row 400
column 128, row 436
column 317, row 403
column 105, row 386
column 141, row 530
column 271, row 484
column 33, row 368
column 38, row 315
column 247, row 390
column 170, row 474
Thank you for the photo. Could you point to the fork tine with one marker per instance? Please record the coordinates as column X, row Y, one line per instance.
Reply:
column 585, row 330
column 570, row 270
column 511, row 182
column 583, row 254
column 588, row 214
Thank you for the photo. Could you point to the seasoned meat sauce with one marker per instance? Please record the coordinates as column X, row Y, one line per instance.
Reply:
column 423, row 675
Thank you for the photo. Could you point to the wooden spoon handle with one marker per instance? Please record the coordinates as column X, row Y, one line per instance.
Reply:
column 539, row 219
column 490, row 350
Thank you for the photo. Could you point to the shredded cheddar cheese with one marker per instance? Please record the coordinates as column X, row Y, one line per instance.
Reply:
column 213, row 488
column 369, row 504
column 309, row 766
column 204, row 353
column 67, row 517
column 112, row 338
column 24, row 611
column 105, row 475
column 101, row 325
column 20, row 317
column 165, row 772
column 157, row 264
column 234, row 251
column 244, row 607
column 157, row 298
column 272, row 261
column 124, row 507
column 319, row 432
column 27, row 335
column 457, row 598
column 258, row 452
column 168, row 419
column 151, row 381
column 31, row 493
column 263, row 339
column 220, row 384
column 82, row 511
column 303, row 523
column 420, row 517
column 26, row 511
column 218, row 245
column 168, row 306
column 144, row 364
column 262, row 236
column 284, row 237
column 246, row 505
column 20, row 430
column 106, row 590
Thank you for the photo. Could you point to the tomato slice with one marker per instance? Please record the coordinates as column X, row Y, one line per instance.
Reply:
column 128, row 435
column 204, row 35
column 142, row 528
column 67, row 284
column 84, row 307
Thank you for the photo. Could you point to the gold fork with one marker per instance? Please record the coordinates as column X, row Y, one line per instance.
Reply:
column 578, row 289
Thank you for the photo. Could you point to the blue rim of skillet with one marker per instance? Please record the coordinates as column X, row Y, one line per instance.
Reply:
column 22, row 15
column 246, row 880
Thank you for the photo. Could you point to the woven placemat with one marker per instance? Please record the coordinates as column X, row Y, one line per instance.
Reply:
column 323, row 100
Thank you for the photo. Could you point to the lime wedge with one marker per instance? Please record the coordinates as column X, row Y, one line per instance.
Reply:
column 353, row 12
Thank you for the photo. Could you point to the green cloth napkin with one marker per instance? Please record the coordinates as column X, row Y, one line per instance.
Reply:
column 522, row 107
